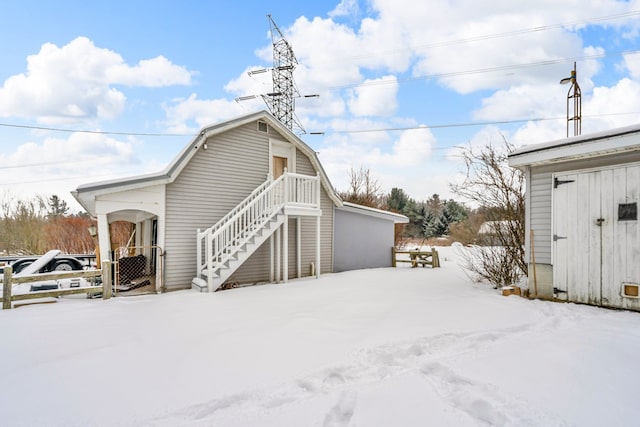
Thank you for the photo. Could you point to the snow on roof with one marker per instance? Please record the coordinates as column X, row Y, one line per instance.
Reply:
column 493, row 227
column 589, row 145
column 379, row 213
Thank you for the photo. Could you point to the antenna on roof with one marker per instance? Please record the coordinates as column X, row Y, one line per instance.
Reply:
column 575, row 94
column 281, row 100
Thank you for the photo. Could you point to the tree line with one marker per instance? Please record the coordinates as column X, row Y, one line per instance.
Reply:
column 29, row 227
column 492, row 234
column 433, row 217
column 37, row 225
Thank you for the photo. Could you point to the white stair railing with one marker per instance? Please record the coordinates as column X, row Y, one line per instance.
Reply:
column 219, row 243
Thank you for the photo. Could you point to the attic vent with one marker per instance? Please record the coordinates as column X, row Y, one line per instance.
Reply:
column 262, row 127
column 631, row 290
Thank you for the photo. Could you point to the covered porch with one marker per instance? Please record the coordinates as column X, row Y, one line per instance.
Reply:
column 139, row 261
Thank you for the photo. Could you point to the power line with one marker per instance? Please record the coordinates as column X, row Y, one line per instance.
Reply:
column 370, row 130
column 391, row 129
column 29, row 165
column 486, row 70
column 55, row 179
column 492, row 36
column 467, row 124
column 99, row 132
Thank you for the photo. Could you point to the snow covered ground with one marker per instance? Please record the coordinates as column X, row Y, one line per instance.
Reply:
column 383, row 347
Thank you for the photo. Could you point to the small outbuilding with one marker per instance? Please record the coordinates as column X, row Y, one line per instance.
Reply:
column 363, row 237
column 582, row 233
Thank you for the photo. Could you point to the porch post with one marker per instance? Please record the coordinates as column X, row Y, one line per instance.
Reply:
column 104, row 240
column 271, row 273
column 160, row 285
column 317, row 247
column 285, row 249
column 298, row 247
column 278, row 243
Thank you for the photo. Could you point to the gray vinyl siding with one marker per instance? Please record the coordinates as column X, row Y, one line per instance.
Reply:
column 541, row 188
column 210, row 185
column 540, row 196
column 355, row 231
column 256, row 268
column 304, row 166
column 213, row 183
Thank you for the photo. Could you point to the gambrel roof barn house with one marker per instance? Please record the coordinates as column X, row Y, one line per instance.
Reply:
column 583, row 238
column 245, row 201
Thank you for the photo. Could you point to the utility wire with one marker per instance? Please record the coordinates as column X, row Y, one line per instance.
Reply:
column 491, row 36
column 390, row 129
column 99, row 132
column 467, row 124
column 486, row 70
column 431, row 76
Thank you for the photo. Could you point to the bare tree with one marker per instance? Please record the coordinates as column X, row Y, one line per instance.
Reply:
column 364, row 189
column 21, row 225
column 493, row 185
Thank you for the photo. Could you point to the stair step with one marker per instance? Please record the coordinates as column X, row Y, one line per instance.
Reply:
column 200, row 285
column 236, row 255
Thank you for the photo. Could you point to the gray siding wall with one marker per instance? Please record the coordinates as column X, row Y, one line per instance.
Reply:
column 256, row 269
column 540, row 215
column 541, row 196
column 213, row 183
column 361, row 241
column 304, row 166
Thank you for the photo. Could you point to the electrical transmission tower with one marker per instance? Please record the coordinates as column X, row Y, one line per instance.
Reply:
column 282, row 103
column 281, row 100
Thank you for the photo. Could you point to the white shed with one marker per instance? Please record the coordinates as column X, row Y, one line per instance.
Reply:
column 583, row 239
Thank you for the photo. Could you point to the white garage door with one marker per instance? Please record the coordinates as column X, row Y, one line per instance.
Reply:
column 596, row 240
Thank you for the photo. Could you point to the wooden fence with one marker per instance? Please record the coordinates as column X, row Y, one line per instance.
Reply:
column 416, row 257
column 9, row 280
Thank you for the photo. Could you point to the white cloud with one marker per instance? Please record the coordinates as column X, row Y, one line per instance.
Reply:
column 58, row 165
column 74, row 82
column 156, row 72
column 203, row 112
column 433, row 32
column 524, row 102
column 375, row 97
column 345, row 8
column 611, row 107
column 389, row 158
column 632, row 63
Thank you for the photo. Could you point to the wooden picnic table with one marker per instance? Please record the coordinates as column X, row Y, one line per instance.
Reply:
column 417, row 257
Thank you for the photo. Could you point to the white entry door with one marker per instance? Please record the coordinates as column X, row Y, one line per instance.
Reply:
column 596, row 241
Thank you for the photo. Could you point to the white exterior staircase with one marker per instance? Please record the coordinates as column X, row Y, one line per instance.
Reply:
column 224, row 247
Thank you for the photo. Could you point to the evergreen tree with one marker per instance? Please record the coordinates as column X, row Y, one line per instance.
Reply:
column 57, row 207
column 397, row 200
column 429, row 225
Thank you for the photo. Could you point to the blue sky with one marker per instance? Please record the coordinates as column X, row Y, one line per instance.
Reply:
column 156, row 72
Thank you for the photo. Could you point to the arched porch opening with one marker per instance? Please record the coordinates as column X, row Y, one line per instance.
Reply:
column 132, row 240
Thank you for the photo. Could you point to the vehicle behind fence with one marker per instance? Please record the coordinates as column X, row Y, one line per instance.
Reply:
column 44, row 285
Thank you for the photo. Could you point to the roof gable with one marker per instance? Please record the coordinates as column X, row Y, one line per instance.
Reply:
column 85, row 192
